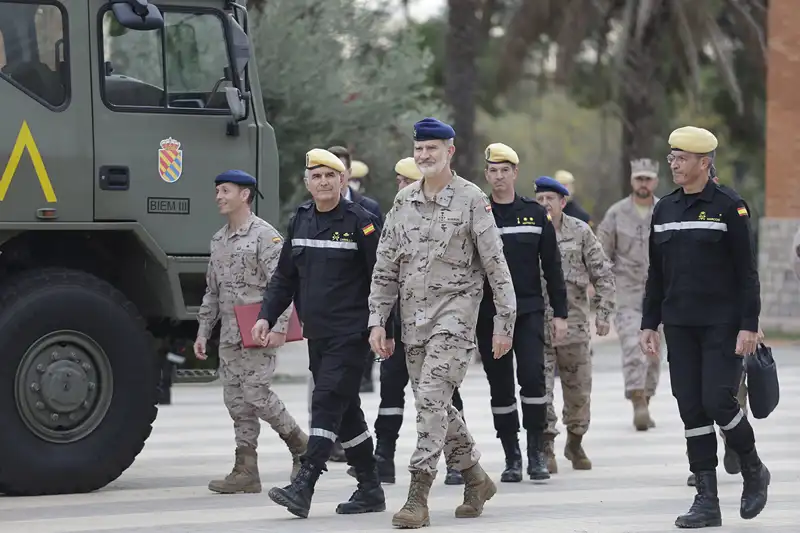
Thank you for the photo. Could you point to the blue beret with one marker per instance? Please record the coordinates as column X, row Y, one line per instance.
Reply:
column 239, row 177
column 431, row 129
column 548, row 184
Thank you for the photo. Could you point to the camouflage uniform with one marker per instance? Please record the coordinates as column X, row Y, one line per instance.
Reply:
column 436, row 253
column 240, row 266
column 624, row 234
column 583, row 262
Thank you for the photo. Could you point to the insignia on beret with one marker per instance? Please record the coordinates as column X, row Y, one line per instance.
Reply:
column 742, row 211
column 432, row 129
column 693, row 140
column 644, row 167
column 408, row 169
column 501, row 153
column 318, row 157
column 369, row 228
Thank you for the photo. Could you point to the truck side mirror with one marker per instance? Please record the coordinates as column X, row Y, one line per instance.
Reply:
column 240, row 46
column 137, row 14
column 235, row 103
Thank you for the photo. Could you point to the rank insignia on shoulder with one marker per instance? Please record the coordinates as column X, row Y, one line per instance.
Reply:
column 742, row 211
column 549, row 217
column 488, row 208
column 276, row 240
column 369, row 228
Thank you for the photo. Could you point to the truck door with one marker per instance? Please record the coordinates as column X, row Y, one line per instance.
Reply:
column 160, row 119
column 45, row 113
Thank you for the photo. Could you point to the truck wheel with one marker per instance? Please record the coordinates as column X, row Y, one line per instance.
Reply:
column 79, row 380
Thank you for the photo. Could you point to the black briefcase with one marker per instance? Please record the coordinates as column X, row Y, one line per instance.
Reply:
column 763, row 390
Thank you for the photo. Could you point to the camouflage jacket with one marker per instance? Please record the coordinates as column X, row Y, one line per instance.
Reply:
column 436, row 253
column 583, row 261
column 625, row 235
column 239, row 269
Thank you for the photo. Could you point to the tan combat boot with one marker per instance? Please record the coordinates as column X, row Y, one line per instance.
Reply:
column 650, row 422
column 478, row 489
column 297, row 442
column 243, row 478
column 548, row 449
column 641, row 414
column 414, row 513
column 573, row 451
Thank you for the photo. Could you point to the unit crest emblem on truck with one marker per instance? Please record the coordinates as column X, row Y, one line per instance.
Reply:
column 99, row 284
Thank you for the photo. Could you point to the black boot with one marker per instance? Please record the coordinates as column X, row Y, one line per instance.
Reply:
column 513, row 471
column 704, row 511
column 296, row 497
column 691, row 481
column 453, row 477
column 756, row 480
column 368, row 497
column 537, row 464
column 731, row 461
column 384, row 457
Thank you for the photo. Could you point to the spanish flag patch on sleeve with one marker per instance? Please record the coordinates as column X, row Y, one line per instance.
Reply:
column 369, row 228
column 742, row 211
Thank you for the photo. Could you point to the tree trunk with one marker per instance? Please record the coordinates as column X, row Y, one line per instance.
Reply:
column 461, row 79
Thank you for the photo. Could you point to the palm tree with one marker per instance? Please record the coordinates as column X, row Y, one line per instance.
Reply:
column 645, row 52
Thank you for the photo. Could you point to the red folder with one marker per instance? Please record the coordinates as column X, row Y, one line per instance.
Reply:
column 246, row 317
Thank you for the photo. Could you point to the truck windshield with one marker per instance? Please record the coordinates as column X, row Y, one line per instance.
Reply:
column 181, row 66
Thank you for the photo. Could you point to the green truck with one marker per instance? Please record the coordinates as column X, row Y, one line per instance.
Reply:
column 115, row 116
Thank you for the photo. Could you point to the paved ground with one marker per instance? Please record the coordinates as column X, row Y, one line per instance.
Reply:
column 637, row 485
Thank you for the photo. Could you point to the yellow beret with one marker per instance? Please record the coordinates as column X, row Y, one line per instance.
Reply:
column 693, row 140
column 318, row 157
column 500, row 153
column 358, row 169
column 564, row 177
column 408, row 169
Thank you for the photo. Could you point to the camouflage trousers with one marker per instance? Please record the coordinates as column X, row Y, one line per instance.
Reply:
column 574, row 363
column 640, row 371
column 246, row 376
column 435, row 369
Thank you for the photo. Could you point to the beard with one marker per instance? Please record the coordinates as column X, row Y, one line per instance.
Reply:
column 434, row 169
column 642, row 193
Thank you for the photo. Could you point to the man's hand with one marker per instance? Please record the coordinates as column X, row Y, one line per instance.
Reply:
column 200, row 348
column 379, row 343
column 746, row 342
column 559, row 328
column 650, row 342
column 501, row 344
column 603, row 327
column 260, row 331
column 275, row 339
column 760, row 335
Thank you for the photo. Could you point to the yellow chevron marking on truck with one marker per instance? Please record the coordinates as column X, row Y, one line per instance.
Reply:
column 25, row 141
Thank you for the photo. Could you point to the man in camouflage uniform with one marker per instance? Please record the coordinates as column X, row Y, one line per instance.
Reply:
column 583, row 262
column 244, row 254
column 438, row 243
column 624, row 233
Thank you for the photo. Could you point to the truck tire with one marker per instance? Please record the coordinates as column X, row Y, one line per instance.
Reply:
column 79, row 381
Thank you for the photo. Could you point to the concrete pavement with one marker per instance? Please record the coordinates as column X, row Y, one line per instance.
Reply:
column 637, row 484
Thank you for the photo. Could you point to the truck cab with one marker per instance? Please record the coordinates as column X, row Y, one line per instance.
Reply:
column 115, row 117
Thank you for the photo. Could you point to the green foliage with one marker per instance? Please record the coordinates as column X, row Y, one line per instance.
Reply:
column 333, row 73
column 552, row 132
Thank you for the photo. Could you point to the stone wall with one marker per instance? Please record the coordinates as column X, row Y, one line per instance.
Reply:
column 780, row 289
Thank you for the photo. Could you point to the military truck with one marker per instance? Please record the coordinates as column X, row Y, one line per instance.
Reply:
column 115, row 116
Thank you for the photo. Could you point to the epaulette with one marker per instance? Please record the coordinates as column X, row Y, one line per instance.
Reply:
column 305, row 205
column 730, row 193
column 527, row 200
